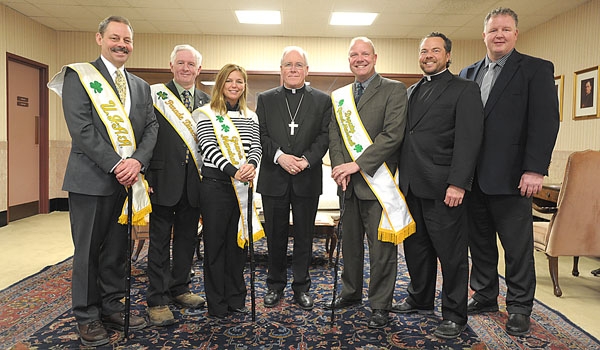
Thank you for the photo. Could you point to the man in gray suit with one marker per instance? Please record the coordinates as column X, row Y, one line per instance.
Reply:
column 381, row 104
column 97, row 176
column 293, row 121
column 174, row 179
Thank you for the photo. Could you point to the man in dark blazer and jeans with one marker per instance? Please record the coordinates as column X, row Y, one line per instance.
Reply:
column 521, row 124
column 174, row 180
column 294, row 120
column 437, row 161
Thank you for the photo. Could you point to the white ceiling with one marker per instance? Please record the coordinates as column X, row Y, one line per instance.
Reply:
column 459, row 19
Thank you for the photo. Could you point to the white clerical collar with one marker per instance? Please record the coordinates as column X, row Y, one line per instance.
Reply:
column 294, row 91
column 428, row 77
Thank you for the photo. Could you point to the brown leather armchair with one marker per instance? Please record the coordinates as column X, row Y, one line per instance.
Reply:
column 574, row 229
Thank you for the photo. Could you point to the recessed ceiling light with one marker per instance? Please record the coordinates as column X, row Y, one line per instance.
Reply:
column 259, row 17
column 352, row 18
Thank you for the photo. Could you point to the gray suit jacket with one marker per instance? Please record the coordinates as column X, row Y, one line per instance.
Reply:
column 92, row 155
column 382, row 109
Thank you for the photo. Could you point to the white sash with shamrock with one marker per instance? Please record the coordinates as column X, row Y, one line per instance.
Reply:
column 230, row 144
column 175, row 112
column 115, row 119
column 396, row 222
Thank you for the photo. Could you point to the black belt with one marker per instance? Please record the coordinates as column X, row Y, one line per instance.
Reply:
column 204, row 178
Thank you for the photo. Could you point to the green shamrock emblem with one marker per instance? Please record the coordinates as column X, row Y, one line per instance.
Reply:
column 96, row 86
column 225, row 128
column 358, row 148
column 220, row 118
column 162, row 95
column 341, row 103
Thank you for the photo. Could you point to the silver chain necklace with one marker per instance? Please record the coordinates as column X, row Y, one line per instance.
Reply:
column 293, row 124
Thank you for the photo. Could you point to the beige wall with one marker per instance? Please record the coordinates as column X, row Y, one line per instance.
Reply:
column 570, row 41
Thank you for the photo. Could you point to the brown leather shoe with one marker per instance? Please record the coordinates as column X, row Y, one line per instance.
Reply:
column 117, row 321
column 93, row 333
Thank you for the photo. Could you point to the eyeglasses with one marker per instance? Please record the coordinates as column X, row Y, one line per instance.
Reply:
column 290, row 65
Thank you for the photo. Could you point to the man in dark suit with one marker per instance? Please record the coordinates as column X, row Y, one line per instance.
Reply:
column 381, row 105
column 520, row 128
column 96, row 177
column 294, row 121
column 174, row 179
column 437, row 160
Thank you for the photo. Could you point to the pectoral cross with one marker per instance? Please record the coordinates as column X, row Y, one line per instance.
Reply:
column 292, row 126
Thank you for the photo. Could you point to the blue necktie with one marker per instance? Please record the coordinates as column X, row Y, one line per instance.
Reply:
column 187, row 101
column 359, row 91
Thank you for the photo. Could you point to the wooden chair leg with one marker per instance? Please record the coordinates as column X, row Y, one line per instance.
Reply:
column 575, row 271
column 553, row 267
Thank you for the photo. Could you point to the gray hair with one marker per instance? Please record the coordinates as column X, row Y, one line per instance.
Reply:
column 298, row 49
column 186, row 47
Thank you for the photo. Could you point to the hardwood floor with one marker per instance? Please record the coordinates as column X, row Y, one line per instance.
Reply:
column 28, row 245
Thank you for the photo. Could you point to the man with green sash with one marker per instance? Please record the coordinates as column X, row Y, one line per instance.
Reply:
column 174, row 179
column 364, row 136
column 111, row 121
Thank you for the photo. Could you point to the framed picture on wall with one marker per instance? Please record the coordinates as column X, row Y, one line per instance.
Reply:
column 559, row 85
column 585, row 94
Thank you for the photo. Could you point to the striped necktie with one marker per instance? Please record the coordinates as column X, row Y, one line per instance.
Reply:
column 121, row 86
column 359, row 91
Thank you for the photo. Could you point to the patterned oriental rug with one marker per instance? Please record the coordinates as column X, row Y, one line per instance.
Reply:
column 35, row 314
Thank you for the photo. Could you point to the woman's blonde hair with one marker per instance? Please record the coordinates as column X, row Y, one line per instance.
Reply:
column 218, row 103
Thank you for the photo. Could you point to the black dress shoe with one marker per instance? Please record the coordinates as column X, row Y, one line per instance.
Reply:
column 219, row 316
column 341, row 303
column 272, row 298
column 405, row 308
column 449, row 329
column 93, row 333
column 304, row 300
column 379, row 319
column 476, row 307
column 517, row 324
column 239, row 310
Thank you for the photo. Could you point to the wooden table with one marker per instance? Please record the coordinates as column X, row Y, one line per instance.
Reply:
column 548, row 196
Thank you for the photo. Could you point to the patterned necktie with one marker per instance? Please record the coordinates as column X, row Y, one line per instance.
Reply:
column 187, row 101
column 359, row 91
column 486, row 83
column 121, row 86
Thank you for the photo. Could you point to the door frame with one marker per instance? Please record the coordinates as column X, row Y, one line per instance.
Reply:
column 44, row 131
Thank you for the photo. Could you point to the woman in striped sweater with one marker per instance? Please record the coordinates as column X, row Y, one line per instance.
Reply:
column 229, row 138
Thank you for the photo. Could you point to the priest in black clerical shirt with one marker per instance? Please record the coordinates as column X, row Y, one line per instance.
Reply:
column 443, row 135
column 294, row 120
